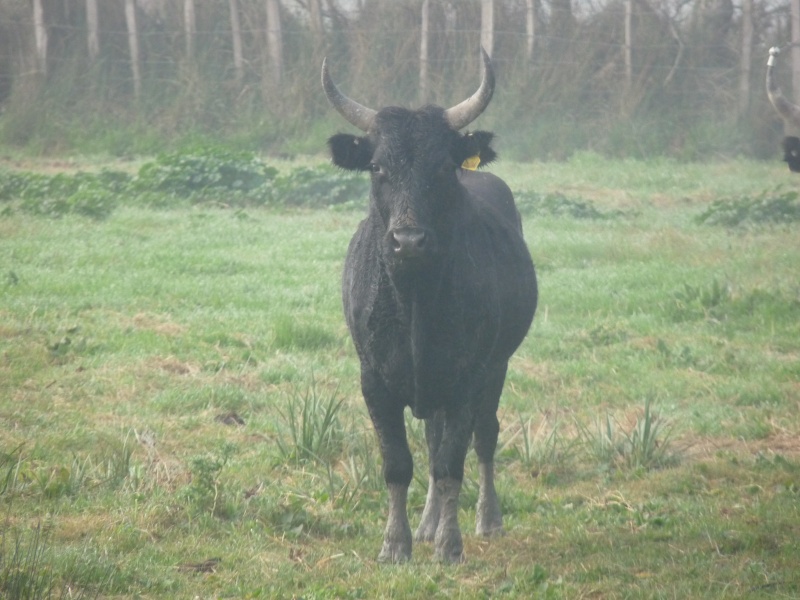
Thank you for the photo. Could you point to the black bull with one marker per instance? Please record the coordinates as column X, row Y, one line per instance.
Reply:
column 439, row 291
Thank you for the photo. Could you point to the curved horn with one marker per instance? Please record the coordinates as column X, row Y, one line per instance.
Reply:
column 790, row 112
column 461, row 115
column 353, row 112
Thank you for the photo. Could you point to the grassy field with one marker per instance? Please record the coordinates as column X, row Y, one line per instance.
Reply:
column 180, row 414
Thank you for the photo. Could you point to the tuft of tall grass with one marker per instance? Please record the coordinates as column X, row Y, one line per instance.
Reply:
column 313, row 431
column 539, row 448
column 28, row 570
column 10, row 463
column 645, row 445
column 23, row 571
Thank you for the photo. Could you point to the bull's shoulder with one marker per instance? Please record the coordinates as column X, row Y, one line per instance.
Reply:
column 491, row 195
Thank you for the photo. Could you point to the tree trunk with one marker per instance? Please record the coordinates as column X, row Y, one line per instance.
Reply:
column 796, row 49
column 236, row 31
column 133, row 47
column 562, row 25
column 317, row 29
column 530, row 29
column 40, row 32
column 746, row 57
column 487, row 26
column 189, row 28
column 423, row 52
column 275, row 40
column 315, row 21
column 628, row 44
column 92, row 30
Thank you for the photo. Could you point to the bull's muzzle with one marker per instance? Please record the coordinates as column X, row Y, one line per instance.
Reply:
column 409, row 242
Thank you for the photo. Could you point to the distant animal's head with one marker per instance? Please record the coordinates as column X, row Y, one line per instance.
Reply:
column 414, row 157
column 788, row 111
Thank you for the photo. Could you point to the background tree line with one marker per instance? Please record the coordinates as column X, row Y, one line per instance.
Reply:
column 620, row 77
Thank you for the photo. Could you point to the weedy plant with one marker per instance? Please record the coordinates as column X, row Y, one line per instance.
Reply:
column 645, row 445
column 206, row 492
column 694, row 302
column 313, row 429
column 540, row 448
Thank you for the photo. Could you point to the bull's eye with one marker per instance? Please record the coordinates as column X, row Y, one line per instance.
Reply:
column 375, row 168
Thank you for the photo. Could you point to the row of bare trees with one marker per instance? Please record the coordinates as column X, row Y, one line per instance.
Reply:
column 158, row 8
column 608, row 63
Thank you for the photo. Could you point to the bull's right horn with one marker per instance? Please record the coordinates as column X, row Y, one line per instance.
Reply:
column 790, row 112
column 353, row 112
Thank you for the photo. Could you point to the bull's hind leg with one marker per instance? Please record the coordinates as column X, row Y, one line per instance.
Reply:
column 489, row 519
column 387, row 417
column 426, row 532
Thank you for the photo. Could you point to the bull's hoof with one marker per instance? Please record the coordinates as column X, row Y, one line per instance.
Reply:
column 490, row 525
column 394, row 556
column 491, row 531
column 425, row 534
column 450, row 556
column 395, row 553
column 449, row 547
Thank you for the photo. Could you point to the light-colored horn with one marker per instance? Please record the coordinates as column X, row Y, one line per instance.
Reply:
column 461, row 115
column 789, row 111
column 353, row 112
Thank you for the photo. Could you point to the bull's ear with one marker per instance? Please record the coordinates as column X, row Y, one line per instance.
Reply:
column 476, row 143
column 350, row 152
column 791, row 152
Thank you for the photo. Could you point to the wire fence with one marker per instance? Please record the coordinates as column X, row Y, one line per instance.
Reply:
column 680, row 87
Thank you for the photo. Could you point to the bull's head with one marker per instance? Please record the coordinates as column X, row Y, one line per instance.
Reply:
column 414, row 157
column 787, row 110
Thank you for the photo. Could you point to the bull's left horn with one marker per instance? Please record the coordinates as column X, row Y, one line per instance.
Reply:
column 789, row 111
column 461, row 115
column 353, row 112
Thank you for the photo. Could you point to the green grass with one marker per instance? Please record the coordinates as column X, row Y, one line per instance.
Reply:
column 181, row 415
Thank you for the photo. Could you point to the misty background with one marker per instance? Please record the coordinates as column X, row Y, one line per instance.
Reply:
column 624, row 78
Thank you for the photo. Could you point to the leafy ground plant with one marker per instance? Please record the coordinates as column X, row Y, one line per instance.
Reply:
column 768, row 208
column 202, row 176
column 556, row 204
column 206, row 492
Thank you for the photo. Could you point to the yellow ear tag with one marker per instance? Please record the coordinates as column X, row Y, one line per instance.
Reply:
column 471, row 163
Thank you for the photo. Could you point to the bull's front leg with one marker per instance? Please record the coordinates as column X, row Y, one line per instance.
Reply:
column 448, row 474
column 398, row 466
column 397, row 535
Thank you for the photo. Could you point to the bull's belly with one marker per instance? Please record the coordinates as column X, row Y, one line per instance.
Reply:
column 429, row 382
